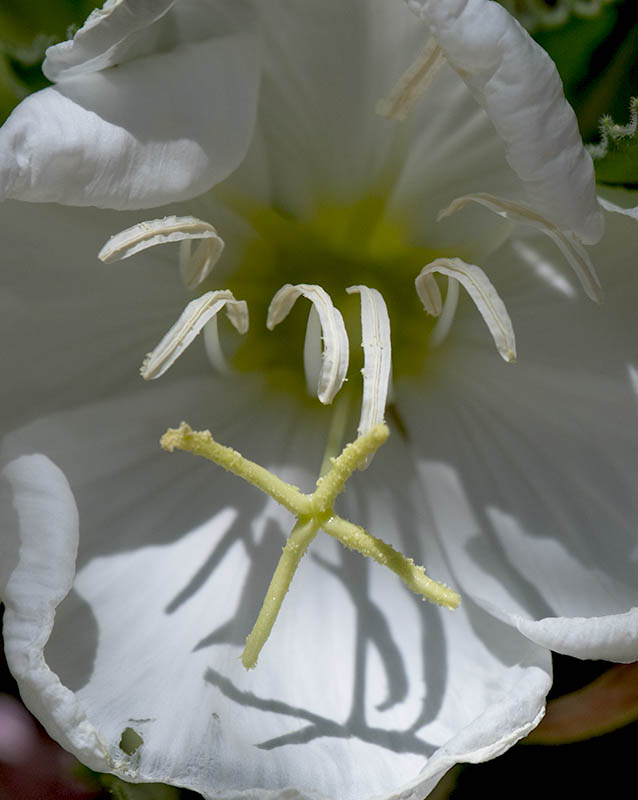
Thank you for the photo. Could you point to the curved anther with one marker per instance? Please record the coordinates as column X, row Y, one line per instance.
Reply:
column 194, row 269
column 377, row 357
column 413, row 83
column 195, row 316
column 335, row 354
column 566, row 241
column 480, row 289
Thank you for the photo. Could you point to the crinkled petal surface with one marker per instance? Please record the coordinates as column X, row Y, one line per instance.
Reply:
column 173, row 562
column 108, row 37
column 123, row 30
column 519, row 86
column 40, row 577
column 538, row 520
column 156, row 129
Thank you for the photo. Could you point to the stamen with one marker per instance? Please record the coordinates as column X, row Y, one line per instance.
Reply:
column 413, row 83
column 377, row 357
column 566, row 241
column 194, row 317
column 478, row 286
column 313, row 512
column 170, row 229
column 334, row 358
column 446, row 318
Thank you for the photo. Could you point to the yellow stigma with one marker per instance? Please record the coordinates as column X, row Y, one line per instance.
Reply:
column 313, row 512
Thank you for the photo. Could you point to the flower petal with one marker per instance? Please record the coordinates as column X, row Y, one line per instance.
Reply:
column 566, row 242
column 324, row 68
column 531, row 472
column 92, row 141
column 519, row 86
column 170, row 588
column 123, row 30
column 108, row 37
column 81, row 326
column 40, row 579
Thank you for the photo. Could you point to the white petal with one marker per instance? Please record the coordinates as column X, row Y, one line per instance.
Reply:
column 123, row 30
column 485, row 726
column 566, row 242
column 41, row 570
column 517, row 83
column 170, row 588
column 194, row 317
column 109, row 36
column 324, row 69
column 377, row 356
column 485, row 296
column 334, row 359
column 81, row 327
column 155, row 130
column 524, row 468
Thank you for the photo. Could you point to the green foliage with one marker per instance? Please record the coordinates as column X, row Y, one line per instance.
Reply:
column 616, row 157
column 26, row 30
column 544, row 14
column 595, row 58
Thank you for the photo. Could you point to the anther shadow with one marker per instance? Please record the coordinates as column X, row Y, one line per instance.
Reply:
column 525, row 490
column 256, row 583
column 372, row 630
column 551, row 442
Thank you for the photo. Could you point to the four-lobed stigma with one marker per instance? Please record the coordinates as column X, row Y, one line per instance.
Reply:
column 313, row 512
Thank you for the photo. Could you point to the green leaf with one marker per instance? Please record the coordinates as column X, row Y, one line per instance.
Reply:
column 547, row 14
column 616, row 157
column 26, row 30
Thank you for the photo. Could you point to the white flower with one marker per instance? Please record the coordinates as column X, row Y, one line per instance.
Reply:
column 514, row 484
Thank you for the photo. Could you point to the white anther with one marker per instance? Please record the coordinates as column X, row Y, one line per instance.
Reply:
column 446, row 317
column 566, row 241
column 194, row 269
column 195, row 316
column 413, row 83
column 478, row 286
column 377, row 357
column 334, row 358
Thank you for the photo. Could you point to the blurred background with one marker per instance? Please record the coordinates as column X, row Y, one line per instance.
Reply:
column 593, row 733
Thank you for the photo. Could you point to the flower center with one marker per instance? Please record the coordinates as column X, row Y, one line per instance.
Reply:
column 354, row 259
column 334, row 249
